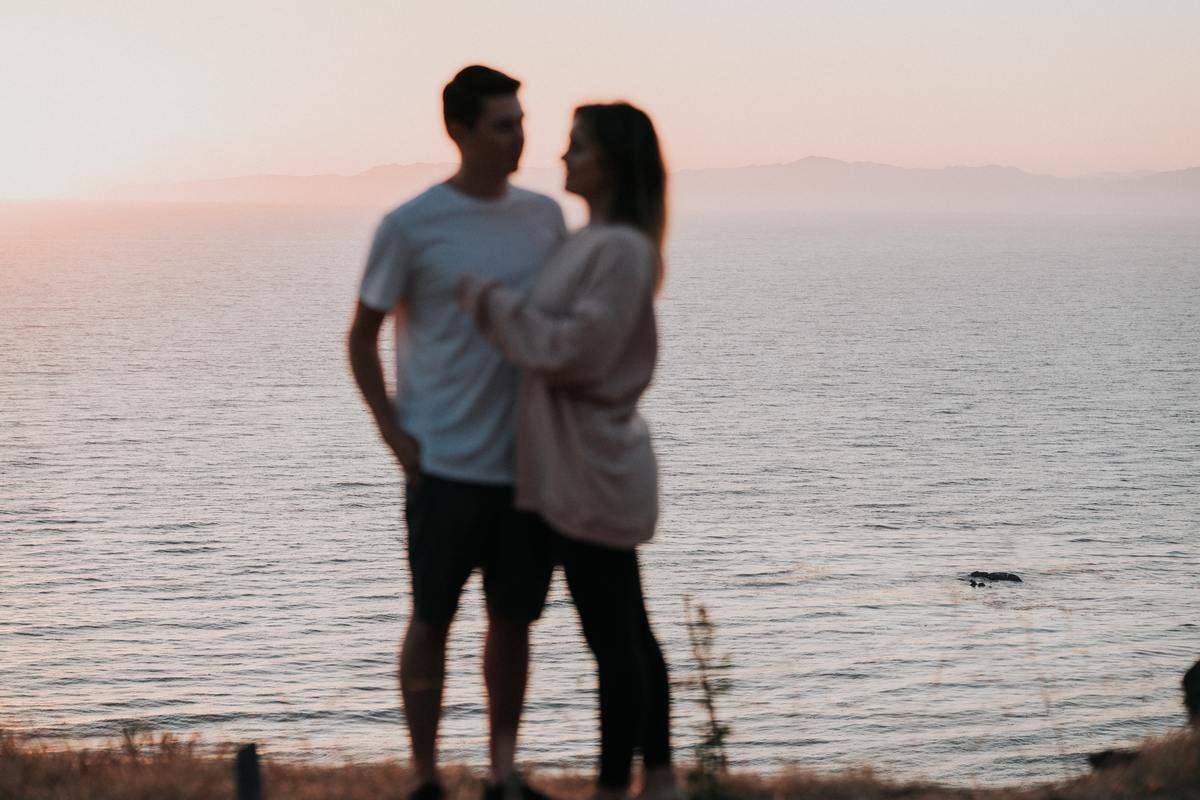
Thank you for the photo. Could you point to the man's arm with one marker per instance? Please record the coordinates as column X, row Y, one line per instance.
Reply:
column 363, row 344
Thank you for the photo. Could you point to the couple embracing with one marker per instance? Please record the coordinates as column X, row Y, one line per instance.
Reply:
column 522, row 351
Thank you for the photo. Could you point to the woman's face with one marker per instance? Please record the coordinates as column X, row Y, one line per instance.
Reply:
column 585, row 173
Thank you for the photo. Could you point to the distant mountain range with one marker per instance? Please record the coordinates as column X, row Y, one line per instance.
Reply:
column 810, row 185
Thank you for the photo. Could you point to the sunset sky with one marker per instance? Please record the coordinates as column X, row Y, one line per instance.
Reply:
column 96, row 94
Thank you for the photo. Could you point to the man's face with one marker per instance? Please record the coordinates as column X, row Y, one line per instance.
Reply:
column 497, row 138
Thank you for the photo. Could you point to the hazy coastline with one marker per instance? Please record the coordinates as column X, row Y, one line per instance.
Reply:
column 809, row 185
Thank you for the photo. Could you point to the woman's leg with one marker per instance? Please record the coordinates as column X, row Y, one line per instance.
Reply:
column 634, row 694
column 598, row 579
column 658, row 780
column 655, row 724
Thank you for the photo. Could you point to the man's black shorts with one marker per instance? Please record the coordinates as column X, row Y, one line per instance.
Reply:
column 454, row 527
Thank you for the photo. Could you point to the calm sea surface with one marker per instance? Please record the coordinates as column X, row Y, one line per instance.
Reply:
column 200, row 533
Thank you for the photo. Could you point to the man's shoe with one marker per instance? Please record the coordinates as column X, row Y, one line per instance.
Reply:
column 514, row 789
column 428, row 791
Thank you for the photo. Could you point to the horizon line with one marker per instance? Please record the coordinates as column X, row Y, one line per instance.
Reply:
column 752, row 165
column 104, row 191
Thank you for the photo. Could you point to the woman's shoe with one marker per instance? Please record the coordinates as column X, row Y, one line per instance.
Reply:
column 428, row 791
column 515, row 788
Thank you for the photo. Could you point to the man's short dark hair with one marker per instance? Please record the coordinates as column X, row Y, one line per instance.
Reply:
column 462, row 99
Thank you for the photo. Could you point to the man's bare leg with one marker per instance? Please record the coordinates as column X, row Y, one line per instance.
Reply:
column 422, row 675
column 505, row 673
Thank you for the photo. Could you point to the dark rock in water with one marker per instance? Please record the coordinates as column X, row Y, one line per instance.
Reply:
column 1107, row 759
column 997, row 576
column 1191, row 694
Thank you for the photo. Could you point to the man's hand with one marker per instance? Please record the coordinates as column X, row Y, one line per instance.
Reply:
column 363, row 343
column 406, row 449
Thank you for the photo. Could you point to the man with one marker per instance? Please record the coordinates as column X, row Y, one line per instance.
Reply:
column 451, row 425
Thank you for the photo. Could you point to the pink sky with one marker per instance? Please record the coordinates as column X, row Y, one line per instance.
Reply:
column 97, row 93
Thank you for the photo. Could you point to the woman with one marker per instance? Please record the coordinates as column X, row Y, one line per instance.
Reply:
column 587, row 340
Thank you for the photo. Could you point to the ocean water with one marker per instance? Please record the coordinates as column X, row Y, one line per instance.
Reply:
column 200, row 533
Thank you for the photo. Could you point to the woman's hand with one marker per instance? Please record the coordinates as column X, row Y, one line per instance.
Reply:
column 464, row 291
column 469, row 293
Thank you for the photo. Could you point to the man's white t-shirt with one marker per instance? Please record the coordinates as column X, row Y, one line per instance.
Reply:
column 455, row 393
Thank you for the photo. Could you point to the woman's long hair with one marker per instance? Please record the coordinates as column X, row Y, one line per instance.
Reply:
column 631, row 156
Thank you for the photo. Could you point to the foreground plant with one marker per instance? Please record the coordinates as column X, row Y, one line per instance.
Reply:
column 712, row 759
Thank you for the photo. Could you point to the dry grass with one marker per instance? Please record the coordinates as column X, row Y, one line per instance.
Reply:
column 141, row 768
column 1168, row 767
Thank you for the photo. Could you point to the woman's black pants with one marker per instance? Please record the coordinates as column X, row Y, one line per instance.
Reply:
column 634, row 692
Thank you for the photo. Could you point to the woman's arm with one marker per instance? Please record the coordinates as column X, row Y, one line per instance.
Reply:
column 582, row 342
